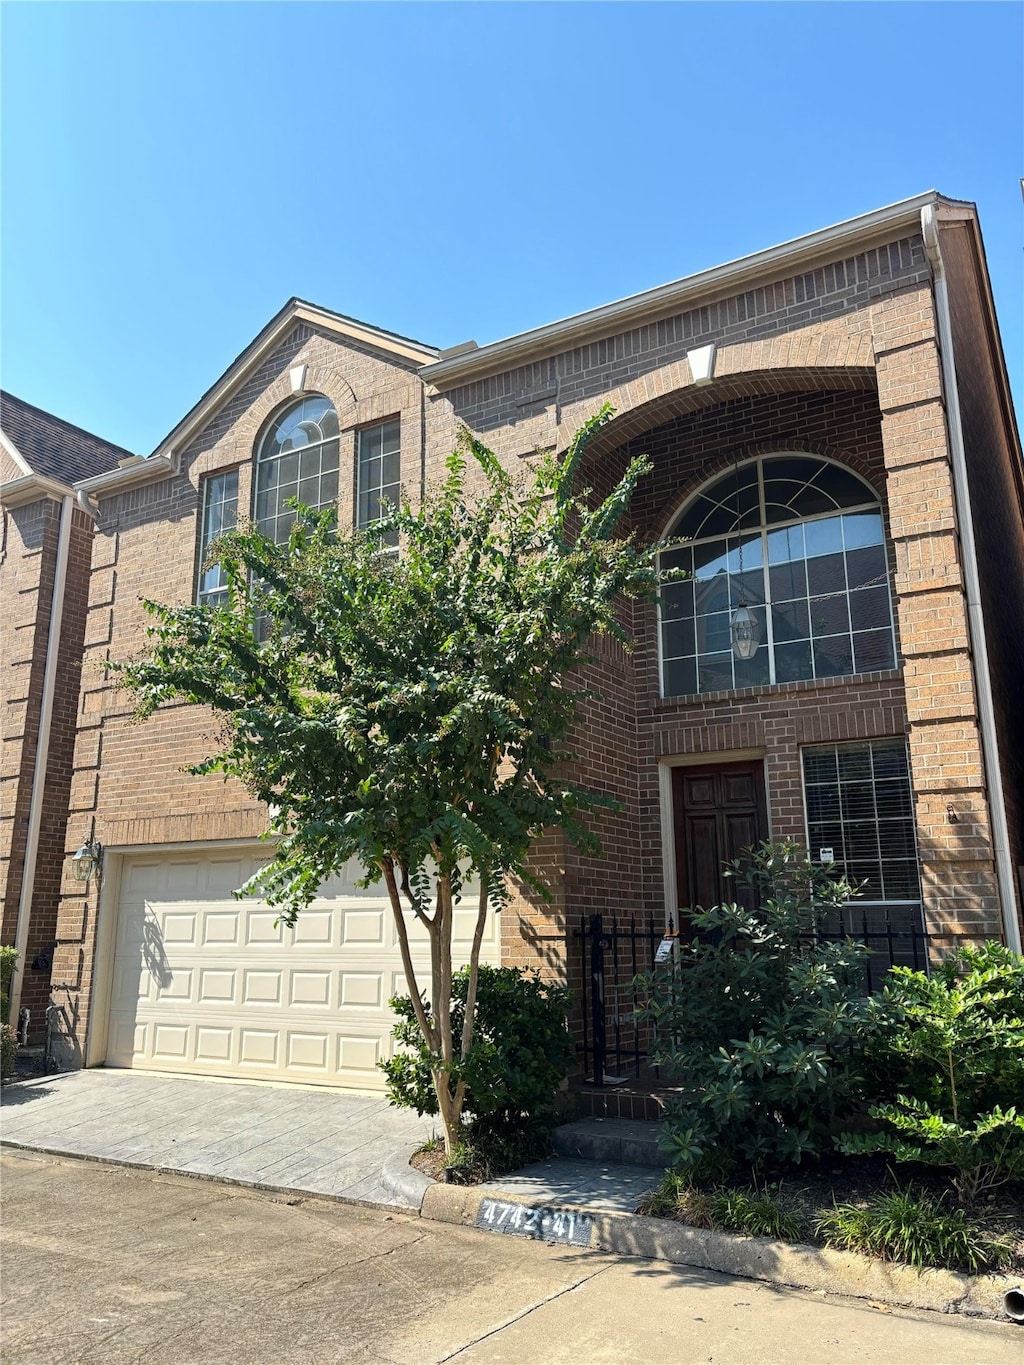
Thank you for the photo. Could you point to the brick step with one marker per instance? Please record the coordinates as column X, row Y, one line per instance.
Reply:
column 620, row 1142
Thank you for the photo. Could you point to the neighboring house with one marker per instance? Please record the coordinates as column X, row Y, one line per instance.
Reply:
column 45, row 555
column 831, row 430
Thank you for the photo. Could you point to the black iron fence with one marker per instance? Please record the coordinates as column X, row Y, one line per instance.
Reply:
column 616, row 1043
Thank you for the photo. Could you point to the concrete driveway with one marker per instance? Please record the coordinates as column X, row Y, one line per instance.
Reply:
column 279, row 1137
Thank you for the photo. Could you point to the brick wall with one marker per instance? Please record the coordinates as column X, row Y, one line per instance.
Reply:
column 997, row 499
column 26, row 583
column 127, row 775
column 840, row 361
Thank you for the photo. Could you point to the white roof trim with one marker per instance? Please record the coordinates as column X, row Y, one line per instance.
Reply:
column 264, row 344
column 874, row 227
column 15, row 454
column 142, row 470
column 30, row 488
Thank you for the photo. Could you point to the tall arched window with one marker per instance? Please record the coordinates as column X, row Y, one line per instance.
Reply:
column 297, row 458
column 788, row 579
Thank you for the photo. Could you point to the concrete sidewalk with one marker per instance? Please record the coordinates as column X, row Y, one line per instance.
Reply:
column 306, row 1139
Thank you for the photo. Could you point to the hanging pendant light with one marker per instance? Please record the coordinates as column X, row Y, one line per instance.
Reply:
column 745, row 632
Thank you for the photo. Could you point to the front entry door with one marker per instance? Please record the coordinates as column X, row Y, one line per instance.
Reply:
column 719, row 811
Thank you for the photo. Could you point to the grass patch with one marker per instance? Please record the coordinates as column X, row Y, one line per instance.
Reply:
column 916, row 1229
column 758, row 1213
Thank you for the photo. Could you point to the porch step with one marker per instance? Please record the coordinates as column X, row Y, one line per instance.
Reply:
column 620, row 1142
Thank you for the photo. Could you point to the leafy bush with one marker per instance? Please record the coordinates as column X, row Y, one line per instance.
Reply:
column 760, row 1026
column 948, row 1054
column 520, row 1055
column 8, row 1050
column 754, row 1212
column 8, row 957
column 915, row 1229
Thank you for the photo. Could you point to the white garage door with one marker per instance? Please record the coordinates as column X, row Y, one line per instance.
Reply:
column 207, row 984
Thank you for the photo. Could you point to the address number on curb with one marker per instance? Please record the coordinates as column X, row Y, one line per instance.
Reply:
column 540, row 1222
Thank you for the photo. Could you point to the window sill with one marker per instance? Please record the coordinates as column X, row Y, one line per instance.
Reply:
column 692, row 699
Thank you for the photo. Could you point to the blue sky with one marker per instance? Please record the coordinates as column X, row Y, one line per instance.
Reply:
column 172, row 173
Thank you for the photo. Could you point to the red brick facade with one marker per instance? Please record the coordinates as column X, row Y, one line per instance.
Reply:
column 833, row 351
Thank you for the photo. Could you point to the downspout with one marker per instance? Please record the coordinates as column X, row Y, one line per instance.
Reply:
column 972, row 583
column 35, row 811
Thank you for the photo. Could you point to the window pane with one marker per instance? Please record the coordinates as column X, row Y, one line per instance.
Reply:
column 790, row 622
column 862, row 528
column 889, row 760
column 893, row 798
column 712, row 596
column 678, row 638
column 786, row 545
column 824, row 537
column 822, row 804
column 751, row 672
column 714, row 672
column 829, row 615
column 378, row 476
column 855, row 764
column 833, row 657
column 710, row 560
column 680, row 677
column 788, row 580
column 679, row 558
column 713, row 633
column 676, row 601
column 865, row 568
column 874, row 652
column 793, row 662
column 727, row 504
column 869, row 609
column 821, row 765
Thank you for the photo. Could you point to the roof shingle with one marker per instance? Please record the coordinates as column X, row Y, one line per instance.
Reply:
column 52, row 447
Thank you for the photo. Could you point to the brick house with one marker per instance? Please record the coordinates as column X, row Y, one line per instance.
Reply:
column 44, row 586
column 832, row 432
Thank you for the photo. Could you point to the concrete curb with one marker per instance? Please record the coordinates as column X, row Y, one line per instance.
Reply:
column 755, row 1258
column 399, row 1178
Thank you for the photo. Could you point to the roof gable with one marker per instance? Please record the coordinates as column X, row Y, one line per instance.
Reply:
column 391, row 344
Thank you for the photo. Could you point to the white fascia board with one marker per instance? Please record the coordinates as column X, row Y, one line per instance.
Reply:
column 802, row 252
column 145, row 469
column 263, row 345
column 30, row 488
column 12, row 450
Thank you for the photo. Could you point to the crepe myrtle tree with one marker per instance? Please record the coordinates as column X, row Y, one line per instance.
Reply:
column 408, row 710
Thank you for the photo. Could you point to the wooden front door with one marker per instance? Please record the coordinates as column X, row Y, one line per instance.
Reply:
column 719, row 811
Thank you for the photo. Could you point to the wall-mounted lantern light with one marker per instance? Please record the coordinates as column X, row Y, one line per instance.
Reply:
column 85, row 864
column 745, row 633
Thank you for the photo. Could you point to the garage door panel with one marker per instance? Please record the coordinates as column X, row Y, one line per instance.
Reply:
column 203, row 982
column 261, row 929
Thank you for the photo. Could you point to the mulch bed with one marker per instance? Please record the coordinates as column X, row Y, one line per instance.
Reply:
column 811, row 1191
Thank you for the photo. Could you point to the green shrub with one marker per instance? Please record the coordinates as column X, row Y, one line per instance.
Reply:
column 520, row 1056
column 8, row 957
column 914, row 1229
column 8, row 1050
column 948, row 1055
column 759, row 1027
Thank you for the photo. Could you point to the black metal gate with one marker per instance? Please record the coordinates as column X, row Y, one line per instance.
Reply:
column 614, row 954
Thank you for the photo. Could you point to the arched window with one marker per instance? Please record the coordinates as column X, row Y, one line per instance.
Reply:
column 788, row 579
column 297, row 458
